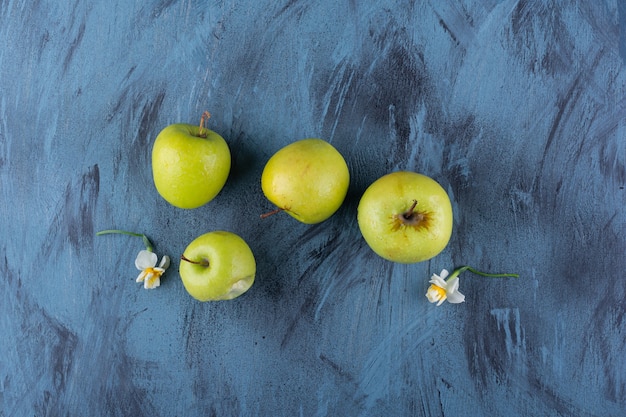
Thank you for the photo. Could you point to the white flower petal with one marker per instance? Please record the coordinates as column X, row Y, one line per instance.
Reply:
column 444, row 274
column 165, row 262
column 452, row 284
column 438, row 281
column 141, row 276
column 455, row 297
column 145, row 259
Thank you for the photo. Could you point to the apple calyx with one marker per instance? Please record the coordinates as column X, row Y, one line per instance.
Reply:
column 205, row 116
column 412, row 218
column 204, row 262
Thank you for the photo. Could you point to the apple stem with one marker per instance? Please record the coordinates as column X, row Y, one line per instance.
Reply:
column 203, row 262
column 271, row 213
column 410, row 213
column 205, row 116
column 411, row 216
column 410, row 210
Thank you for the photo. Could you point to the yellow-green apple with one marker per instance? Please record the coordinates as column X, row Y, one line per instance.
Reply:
column 190, row 164
column 217, row 266
column 308, row 179
column 405, row 217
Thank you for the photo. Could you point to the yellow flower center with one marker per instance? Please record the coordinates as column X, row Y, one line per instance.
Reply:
column 441, row 292
column 153, row 273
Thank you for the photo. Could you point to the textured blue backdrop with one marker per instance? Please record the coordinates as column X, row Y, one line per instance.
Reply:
column 517, row 108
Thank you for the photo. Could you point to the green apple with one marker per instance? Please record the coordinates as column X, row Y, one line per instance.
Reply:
column 308, row 179
column 405, row 217
column 190, row 164
column 217, row 266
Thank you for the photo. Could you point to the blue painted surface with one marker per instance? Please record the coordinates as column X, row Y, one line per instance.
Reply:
column 518, row 109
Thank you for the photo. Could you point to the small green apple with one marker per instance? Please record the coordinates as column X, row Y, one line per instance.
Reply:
column 217, row 266
column 308, row 179
column 405, row 217
column 190, row 164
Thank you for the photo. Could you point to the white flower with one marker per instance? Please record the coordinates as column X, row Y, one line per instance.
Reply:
column 150, row 273
column 442, row 290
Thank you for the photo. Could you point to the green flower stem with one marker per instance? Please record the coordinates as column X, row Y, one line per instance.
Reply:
column 146, row 241
column 462, row 269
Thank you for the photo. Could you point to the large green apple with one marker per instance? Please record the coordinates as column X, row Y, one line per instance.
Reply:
column 405, row 217
column 217, row 266
column 308, row 179
column 190, row 165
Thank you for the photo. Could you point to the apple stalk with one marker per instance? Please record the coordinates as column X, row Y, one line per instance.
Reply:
column 412, row 217
column 271, row 213
column 205, row 116
column 204, row 262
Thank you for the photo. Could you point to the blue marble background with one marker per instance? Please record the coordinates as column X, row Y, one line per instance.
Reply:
column 517, row 108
